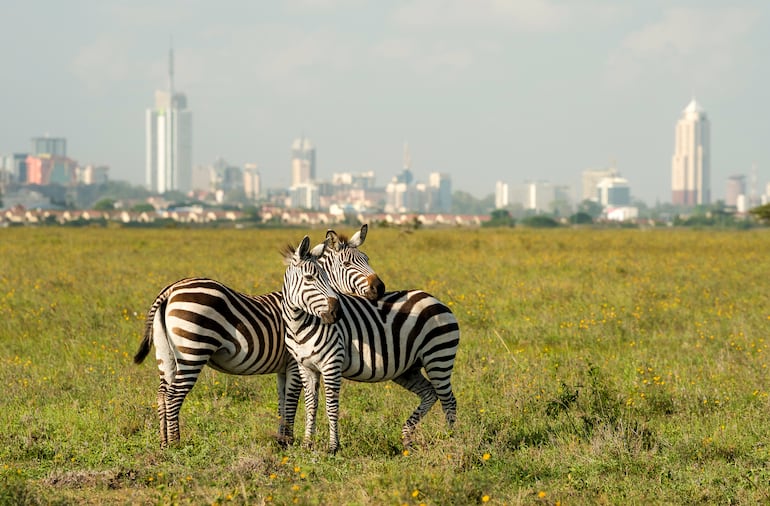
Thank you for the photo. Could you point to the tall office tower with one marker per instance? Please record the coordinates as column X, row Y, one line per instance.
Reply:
column 49, row 146
column 302, row 162
column 691, row 163
column 169, row 140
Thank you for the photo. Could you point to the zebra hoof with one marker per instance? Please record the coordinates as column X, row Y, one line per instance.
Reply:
column 284, row 441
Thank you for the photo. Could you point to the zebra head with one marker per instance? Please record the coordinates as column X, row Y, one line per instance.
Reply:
column 348, row 267
column 306, row 286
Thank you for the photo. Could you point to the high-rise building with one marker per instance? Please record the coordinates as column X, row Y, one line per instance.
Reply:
column 302, row 162
column 45, row 145
column 169, row 140
column 691, row 163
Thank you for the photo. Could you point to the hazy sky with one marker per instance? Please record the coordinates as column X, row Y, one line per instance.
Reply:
column 484, row 90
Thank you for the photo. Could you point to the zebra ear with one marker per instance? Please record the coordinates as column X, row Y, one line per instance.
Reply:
column 358, row 238
column 318, row 251
column 333, row 240
column 303, row 249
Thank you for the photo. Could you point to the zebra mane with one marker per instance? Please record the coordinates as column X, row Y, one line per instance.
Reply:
column 287, row 252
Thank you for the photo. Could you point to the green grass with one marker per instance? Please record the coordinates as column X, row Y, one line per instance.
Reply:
column 595, row 366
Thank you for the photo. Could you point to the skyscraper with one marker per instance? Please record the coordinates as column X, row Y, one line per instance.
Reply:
column 302, row 162
column 169, row 140
column 691, row 163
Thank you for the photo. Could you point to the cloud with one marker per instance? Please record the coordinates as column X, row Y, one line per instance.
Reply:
column 103, row 62
column 300, row 5
column 697, row 45
column 524, row 15
column 425, row 58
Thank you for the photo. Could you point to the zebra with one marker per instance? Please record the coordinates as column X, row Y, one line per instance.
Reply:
column 334, row 336
column 343, row 256
column 198, row 321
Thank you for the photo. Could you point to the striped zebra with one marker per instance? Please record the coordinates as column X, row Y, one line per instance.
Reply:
column 196, row 322
column 394, row 339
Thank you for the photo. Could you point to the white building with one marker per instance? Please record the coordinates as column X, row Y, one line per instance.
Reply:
column 364, row 180
column 613, row 191
column 539, row 196
column 399, row 197
column 302, row 161
column 623, row 213
column 305, row 196
column 736, row 188
column 169, row 140
column 590, row 180
column 501, row 195
column 92, row 174
column 439, row 193
column 691, row 163
column 252, row 181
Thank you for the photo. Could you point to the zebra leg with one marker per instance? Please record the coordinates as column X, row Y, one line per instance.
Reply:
column 289, row 389
column 440, row 378
column 332, row 383
column 162, row 413
column 415, row 382
column 310, row 381
column 281, row 388
column 174, row 399
column 175, row 396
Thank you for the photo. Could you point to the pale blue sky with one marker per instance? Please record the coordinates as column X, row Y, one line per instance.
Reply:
column 484, row 90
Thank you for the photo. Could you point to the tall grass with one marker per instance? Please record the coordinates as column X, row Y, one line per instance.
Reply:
column 619, row 366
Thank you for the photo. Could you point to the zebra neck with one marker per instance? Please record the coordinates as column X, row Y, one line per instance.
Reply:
column 295, row 318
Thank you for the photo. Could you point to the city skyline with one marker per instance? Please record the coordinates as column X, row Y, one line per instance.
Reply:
column 482, row 91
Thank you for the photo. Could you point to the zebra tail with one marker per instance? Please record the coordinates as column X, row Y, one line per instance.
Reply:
column 146, row 344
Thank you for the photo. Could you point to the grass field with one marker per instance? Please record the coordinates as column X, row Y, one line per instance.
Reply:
column 595, row 366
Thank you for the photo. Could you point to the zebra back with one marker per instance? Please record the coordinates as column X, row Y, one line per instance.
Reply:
column 381, row 341
column 230, row 331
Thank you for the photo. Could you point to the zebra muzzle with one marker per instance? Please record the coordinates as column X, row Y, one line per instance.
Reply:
column 334, row 311
column 376, row 288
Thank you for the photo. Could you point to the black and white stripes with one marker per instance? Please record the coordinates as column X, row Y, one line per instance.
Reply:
column 392, row 339
column 196, row 322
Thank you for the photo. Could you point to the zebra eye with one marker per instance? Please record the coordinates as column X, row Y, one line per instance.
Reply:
column 347, row 263
column 309, row 277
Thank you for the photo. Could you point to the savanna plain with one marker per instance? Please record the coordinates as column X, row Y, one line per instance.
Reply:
column 595, row 367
